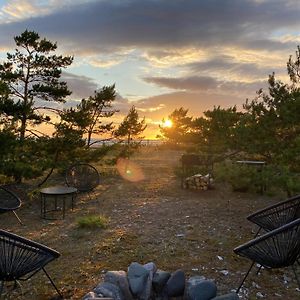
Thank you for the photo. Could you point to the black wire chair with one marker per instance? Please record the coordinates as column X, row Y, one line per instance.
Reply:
column 277, row 215
column 9, row 201
column 278, row 248
column 21, row 258
column 82, row 176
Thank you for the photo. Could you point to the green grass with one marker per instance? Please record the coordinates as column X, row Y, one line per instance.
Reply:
column 93, row 221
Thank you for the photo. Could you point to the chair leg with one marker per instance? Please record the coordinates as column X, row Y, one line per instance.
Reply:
column 17, row 217
column 258, row 270
column 58, row 292
column 241, row 284
column 17, row 284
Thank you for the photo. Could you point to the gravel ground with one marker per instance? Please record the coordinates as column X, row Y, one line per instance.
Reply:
column 152, row 219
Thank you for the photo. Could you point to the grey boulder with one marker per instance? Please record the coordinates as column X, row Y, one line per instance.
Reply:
column 204, row 290
column 137, row 277
column 176, row 284
column 110, row 290
column 119, row 278
column 160, row 278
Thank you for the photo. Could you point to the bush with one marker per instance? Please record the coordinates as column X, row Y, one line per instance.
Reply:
column 278, row 177
column 241, row 177
column 93, row 221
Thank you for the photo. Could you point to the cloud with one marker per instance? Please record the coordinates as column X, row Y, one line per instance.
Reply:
column 196, row 102
column 81, row 86
column 109, row 25
column 206, row 84
column 16, row 10
column 204, row 53
column 195, row 83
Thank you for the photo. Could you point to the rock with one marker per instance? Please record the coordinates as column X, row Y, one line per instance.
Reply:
column 119, row 278
column 176, row 284
column 259, row 295
column 195, row 280
column 230, row 296
column 90, row 295
column 224, row 272
column 159, row 280
column 151, row 267
column 108, row 289
column 203, row 290
column 137, row 277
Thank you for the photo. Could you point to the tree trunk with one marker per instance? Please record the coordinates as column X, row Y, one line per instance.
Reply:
column 52, row 169
column 23, row 129
column 128, row 139
column 89, row 138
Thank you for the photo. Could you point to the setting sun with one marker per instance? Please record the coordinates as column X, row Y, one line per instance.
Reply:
column 167, row 123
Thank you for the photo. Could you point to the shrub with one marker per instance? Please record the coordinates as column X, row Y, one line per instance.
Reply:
column 280, row 177
column 93, row 221
column 242, row 178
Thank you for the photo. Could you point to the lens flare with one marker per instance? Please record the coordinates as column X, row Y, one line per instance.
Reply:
column 129, row 170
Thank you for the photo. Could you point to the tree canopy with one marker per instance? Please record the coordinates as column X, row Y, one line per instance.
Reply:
column 131, row 126
column 30, row 78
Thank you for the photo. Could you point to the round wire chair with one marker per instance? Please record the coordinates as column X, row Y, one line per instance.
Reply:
column 9, row 201
column 82, row 176
column 278, row 248
column 277, row 215
column 21, row 258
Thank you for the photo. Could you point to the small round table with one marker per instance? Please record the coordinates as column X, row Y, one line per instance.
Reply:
column 57, row 195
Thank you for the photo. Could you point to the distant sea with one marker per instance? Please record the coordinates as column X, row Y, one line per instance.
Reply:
column 144, row 142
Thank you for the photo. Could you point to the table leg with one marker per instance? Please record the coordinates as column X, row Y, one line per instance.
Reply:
column 41, row 196
column 43, row 206
column 64, row 206
column 73, row 199
column 55, row 203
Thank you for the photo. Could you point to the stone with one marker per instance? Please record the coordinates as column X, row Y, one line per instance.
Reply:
column 160, row 278
column 151, row 267
column 230, row 296
column 176, row 284
column 195, row 280
column 203, row 290
column 119, row 278
column 108, row 289
column 137, row 277
column 90, row 295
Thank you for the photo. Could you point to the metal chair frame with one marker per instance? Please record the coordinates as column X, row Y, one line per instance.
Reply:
column 8, row 196
column 82, row 176
column 278, row 248
column 276, row 215
column 21, row 258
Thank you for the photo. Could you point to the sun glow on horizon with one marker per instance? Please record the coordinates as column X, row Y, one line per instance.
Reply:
column 167, row 123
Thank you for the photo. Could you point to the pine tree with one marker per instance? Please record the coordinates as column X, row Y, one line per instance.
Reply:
column 30, row 78
column 131, row 127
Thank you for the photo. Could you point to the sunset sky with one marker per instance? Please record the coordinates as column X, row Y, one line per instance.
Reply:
column 163, row 54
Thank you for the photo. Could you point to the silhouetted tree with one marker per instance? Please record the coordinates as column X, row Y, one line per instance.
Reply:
column 32, row 74
column 29, row 79
column 97, row 108
column 131, row 127
column 181, row 127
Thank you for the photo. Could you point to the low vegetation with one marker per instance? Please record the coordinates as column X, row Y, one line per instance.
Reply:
column 93, row 221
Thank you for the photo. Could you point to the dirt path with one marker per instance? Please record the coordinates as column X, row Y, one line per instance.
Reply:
column 151, row 220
